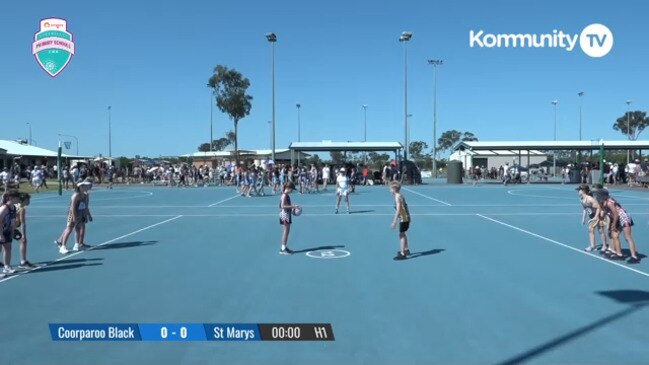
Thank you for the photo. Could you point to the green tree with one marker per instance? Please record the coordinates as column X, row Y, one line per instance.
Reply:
column 231, row 136
column 230, row 88
column 337, row 157
column 450, row 138
column 315, row 159
column 632, row 124
column 220, row 144
column 376, row 161
column 468, row 136
column 124, row 161
column 354, row 157
column 416, row 149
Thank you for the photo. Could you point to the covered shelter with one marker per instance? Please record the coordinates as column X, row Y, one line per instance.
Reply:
column 216, row 158
column 496, row 158
column 525, row 149
column 25, row 154
column 329, row 146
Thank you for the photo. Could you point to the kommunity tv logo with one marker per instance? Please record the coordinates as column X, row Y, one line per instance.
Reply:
column 595, row 40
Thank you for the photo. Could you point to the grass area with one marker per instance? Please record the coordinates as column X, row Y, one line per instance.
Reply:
column 27, row 187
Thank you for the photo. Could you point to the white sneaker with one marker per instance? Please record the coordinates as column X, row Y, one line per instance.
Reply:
column 63, row 250
column 75, row 247
column 8, row 270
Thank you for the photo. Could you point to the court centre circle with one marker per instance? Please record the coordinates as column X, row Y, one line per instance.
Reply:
column 328, row 254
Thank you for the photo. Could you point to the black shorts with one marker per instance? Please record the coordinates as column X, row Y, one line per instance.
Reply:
column 7, row 237
column 403, row 227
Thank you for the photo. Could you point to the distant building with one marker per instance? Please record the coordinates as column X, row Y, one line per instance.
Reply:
column 218, row 158
column 489, row 159
column 25, row 154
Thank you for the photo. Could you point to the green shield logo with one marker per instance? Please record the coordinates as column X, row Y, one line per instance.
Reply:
column 53, row 46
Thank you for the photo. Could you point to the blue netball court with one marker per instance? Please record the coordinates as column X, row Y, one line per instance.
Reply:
column 498, row 275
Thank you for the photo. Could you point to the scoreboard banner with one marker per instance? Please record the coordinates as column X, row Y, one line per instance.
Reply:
column 191, row 332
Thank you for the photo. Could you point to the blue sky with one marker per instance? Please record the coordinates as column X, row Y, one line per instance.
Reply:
column 151, row 60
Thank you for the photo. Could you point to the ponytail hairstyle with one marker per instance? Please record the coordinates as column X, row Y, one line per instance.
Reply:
column 289, row 185
column 24, row 197
column 6, row 197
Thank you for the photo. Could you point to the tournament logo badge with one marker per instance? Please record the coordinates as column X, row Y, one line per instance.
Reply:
column 53, row 46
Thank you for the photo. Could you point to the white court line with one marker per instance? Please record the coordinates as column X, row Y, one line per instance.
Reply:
column 108, row 215
column 427, row 197
column 224, row 200
column 564, row 245
column 511, row 192
column 21, row 273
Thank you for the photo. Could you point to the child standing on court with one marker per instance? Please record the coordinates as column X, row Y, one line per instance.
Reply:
column 21, row 226
column 285, row 216
column 8, row 217
column 403, row 216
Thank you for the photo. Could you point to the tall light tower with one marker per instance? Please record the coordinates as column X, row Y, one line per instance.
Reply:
column 580, row 94
column 628, row 128
column 30, row 133
column 405, row 38
column 554, row 153
column 364, row 122
column 435, row 63
column 272, row 38
column 211, row 116
column 110, row 136
column 298, row 106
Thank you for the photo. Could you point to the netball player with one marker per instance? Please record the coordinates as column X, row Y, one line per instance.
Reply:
column 285, row 216
column 21, row 225
column 620, row 221
column 80, row 235
column 76, row 213
column 342, row 189
column 402, row 215
column 591, row 206
column 8, row 218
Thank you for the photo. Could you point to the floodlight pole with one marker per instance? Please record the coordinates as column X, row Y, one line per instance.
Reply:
column 435, row 63
column 298, row 106
column 272, row 38
column 365, row 131
column 211, row 117
column 554, row 153
column 30, row 133
column 110, row 143
column 405, row 38
column 580, row 94
column 628, row 129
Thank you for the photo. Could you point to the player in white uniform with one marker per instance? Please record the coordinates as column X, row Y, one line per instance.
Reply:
column 37, row 178
column 325, row 176
column 342, row 189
